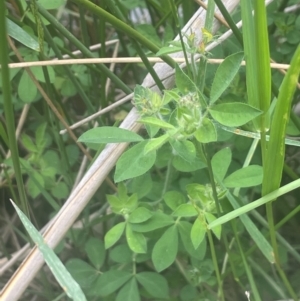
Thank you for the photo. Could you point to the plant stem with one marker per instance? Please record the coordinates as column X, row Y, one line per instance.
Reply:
column 9, row 110
column 215, row 262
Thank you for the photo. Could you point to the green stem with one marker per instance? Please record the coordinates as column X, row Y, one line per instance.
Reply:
column 215, row 262
column 123, row 27
column 9, row 110
column 82, row 48
column 213, row 183
column 229, row 21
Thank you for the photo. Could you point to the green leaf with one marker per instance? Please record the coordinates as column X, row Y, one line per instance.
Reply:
column 170, row 95
column 168, row 50
column 233, row 114
column 220, row 162
column 165, row 249
column 185, row 210
column 19, row 34
column 82, row 272
column 184, row 148
column 141, row 185
column 182, row 165
column 139, row 215
column 173, row 199
column 108, row 134
column 198, row 232
column 35, row 183
column 112, row 280
column 95, row 251
column 155, row 143
column 276, row 147
column 157, row 221
column 129, row 292
column 149, row 32
column 185, row 229
column 28, row 143
column 115, row 203
column 155, row 284
column 134, row 162
column 59, row 271
column 114, row 234
column 39, row 74
column 250, row 56
column 251, row 228
column 121, row 254
column 183, row 82
column 188, row 293
column 27, row 90
column 156, row 122
column 136, row 241
column 217, row 229
column 245, row 177
column 207, row 132
column 60, row 190
column 261, row 40
column 225, row 74
column 40, row 136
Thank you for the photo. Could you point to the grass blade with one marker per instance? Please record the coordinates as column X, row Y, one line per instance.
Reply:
column 69, row 285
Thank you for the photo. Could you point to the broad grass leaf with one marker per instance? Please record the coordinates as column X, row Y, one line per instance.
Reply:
column 185, row 210
column 111, row 281
column 185, row 149
column 165, row 249
column 245, row 177
column 95, row 251
column 207, row 132
column 220, row 162
column 233, row 113
column 27, row 91
column 173, row 199
column 183, row 82
column 155, row 284
column 19, row 34
column 225, row 74
column 136, row 241
column 114, row 234
column 134, row 162
column 59, row 271
column 82, row 272
column 140, row 215
column 109, row 134
column 157, row 221
column 185, row 229
column 198, row 232
column 276, row 146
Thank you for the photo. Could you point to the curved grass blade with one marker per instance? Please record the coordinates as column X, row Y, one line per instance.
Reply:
column 64, row 278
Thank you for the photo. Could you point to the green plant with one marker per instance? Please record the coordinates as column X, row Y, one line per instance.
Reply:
column 185, row 221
